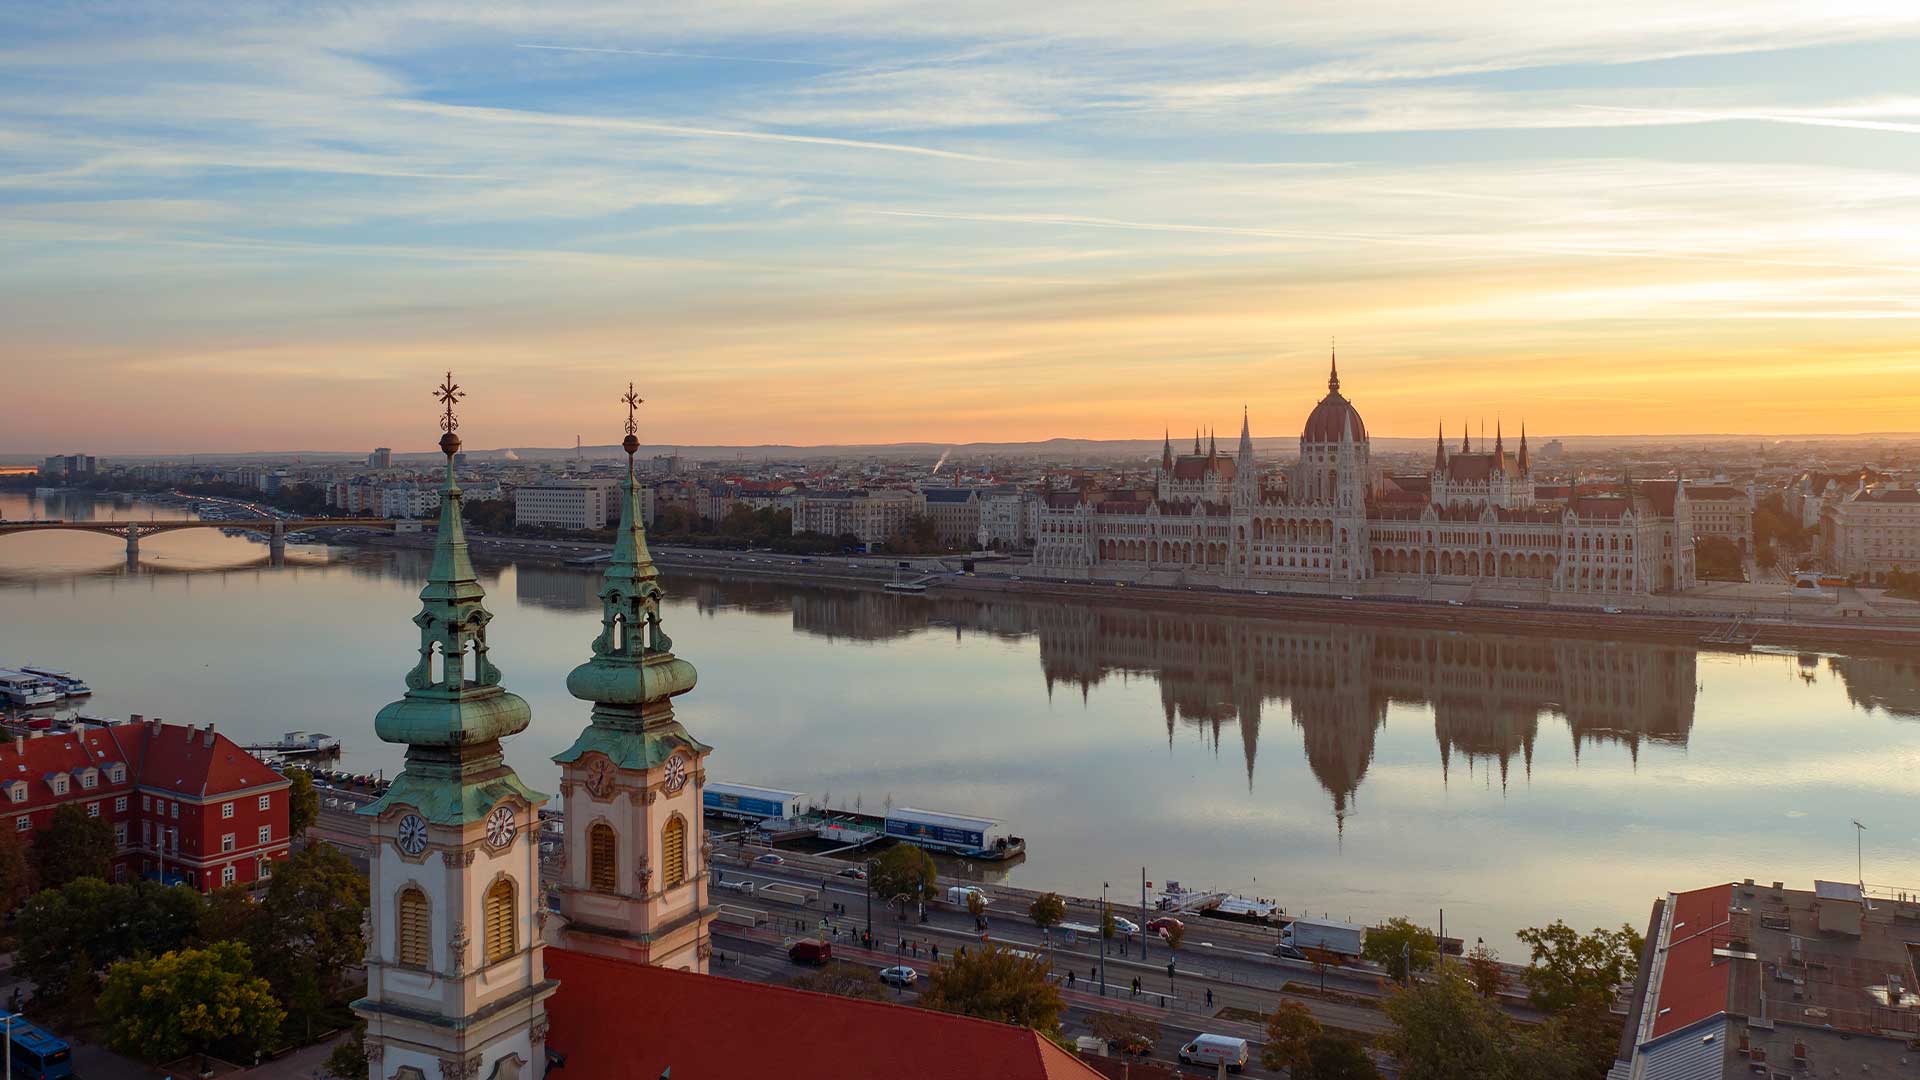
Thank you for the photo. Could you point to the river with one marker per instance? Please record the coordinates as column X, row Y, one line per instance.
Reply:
column 1356, row 770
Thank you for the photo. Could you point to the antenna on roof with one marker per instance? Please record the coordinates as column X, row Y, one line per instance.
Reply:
column 1859, row 856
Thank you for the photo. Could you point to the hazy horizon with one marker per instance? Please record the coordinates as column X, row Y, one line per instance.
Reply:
column 847, row 222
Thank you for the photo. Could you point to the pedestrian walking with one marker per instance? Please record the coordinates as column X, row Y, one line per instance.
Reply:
column 936, row 952
column 1209, row 997
column 1069, row 978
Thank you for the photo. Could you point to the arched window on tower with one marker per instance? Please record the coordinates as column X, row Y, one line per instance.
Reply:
column 470, row 661
column 436, row 664
column 617, row 639
column 501, row 921
column 673, row 852
column 603, row 850
column 413, row 929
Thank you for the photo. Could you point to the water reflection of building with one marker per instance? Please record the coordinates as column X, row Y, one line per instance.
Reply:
column 1880, row 682
column 1487, row 692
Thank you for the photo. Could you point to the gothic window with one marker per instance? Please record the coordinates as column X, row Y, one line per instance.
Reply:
column 413, row 929
column 500, row 921
column 673, row 852
column 602, row 863
column 436, row 664
column 618, row 639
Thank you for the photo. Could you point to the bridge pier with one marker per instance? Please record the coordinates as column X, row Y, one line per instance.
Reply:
column 277, row 543
column 133, row 541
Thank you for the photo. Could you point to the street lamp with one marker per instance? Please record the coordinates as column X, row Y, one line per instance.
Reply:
column 1104, row 912
column 11, row 1017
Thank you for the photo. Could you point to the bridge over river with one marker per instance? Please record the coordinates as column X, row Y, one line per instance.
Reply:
column 276, row 529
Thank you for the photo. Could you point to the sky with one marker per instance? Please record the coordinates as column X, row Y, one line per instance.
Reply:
column 273, row 226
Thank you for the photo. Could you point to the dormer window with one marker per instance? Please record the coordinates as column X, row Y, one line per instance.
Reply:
column 88, row 778
column 17, row 791
column 116, row 774
column 59, row 785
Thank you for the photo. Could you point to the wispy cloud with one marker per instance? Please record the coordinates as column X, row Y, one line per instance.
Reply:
column 680, row 55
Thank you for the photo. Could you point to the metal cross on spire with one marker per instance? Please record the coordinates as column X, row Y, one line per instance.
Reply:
column 447, row 393
column 633, row 401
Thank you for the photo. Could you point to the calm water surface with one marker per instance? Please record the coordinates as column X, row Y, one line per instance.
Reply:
column 1362, row 771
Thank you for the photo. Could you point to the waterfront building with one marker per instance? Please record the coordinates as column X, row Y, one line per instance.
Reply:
column 955, row 512
column 1335, row 520
column 1745, row 979
column 565, row 504
column 407, row 501
column 874, row 515
column 1722, row 510
column 635, row 886
column 456, row 980
column 68, row 466
column 1871, row 532
column 1006, row 518
column 382, row 458
column 187, row 805
column 1808, row 495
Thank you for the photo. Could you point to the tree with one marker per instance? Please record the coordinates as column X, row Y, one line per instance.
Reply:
column 976, row 906
column 1127, row 1032
column 348, row 1061
column 903, row 870
column 843, row 980
column 1716, row 558
column 1334, row 1057
column 73, row 847
column 16, row 873
column 229, row 915
column 1174, row 934
column 1289, row 1031
column 1570, row 968
column 188, row 1000
column 68, row 933
column 1108, row 927
column 1442, row 1029
column 993, row 983
column 311, row 915
column 1485, row 972
column 303, row 803
column 1401, row 947
column 1565, row 1048
column 1047, row 910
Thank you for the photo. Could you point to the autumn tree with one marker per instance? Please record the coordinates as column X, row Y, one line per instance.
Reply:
column 1289, row 1029
column 1570, row 968
column 843, row 980
column 69, row 933
column 179, row 1002
column 1442, row 1029
column 303, row 803
column 904, row 870
column 1335, row 1057
column 1402, row 948
column 1047, row 910
column 1485, row 972
column 1128, row 1032
column 75, row 846
column 997, row 984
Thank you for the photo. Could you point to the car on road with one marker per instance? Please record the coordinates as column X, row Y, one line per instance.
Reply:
column 902, row 976
column 855, row 873
column 770, row 859
column 740, row 885
column 810, row 951
column 1161, row 924
column 1126, row 926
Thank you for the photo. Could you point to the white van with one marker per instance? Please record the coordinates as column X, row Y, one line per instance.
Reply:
column 958, row 895
column 1215, row 1050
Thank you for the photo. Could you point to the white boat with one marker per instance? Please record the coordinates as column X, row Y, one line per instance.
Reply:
column 299, row 744
column 20, row 688
column 1176, row 898
column 68, row 683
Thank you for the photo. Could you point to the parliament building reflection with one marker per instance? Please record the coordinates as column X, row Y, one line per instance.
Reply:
column 1332, row 682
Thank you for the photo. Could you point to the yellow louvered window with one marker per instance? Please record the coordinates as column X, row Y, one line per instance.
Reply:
column 500, row 927
column 602, row 875
column 673, row 853
column 413, row 943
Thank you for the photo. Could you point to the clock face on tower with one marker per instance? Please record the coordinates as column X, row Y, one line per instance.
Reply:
column 676, row 772
column 500, row 827
column 600, row 775
column 412, row 837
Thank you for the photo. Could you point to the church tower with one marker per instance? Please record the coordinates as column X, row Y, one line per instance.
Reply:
column 456, row 986
column 636, row 883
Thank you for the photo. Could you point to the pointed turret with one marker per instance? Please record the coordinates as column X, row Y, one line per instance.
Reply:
column 1166, row 451
column 1440, row 448
column 1213, row 445
column 1196, row 442
column 1466, row 439
column 455, row 711
column 1524, row 466
column 1499, row 442
column 1246, row 438
column 1333, row 371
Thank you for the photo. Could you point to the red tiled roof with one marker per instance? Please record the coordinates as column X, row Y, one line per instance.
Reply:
column 180, row 759
column 707, row 1026
column 1197, row 468
column 1693, row 985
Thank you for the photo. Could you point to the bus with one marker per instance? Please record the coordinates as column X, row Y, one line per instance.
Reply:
column 37, row 1053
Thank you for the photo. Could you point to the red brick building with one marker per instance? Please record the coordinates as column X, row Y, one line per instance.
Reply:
column 187, row 804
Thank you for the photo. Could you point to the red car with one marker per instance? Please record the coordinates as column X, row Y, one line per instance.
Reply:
column 1160, row 925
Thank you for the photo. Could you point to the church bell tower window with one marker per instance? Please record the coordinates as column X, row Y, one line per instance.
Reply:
column 500, row 926
column 602, row 850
